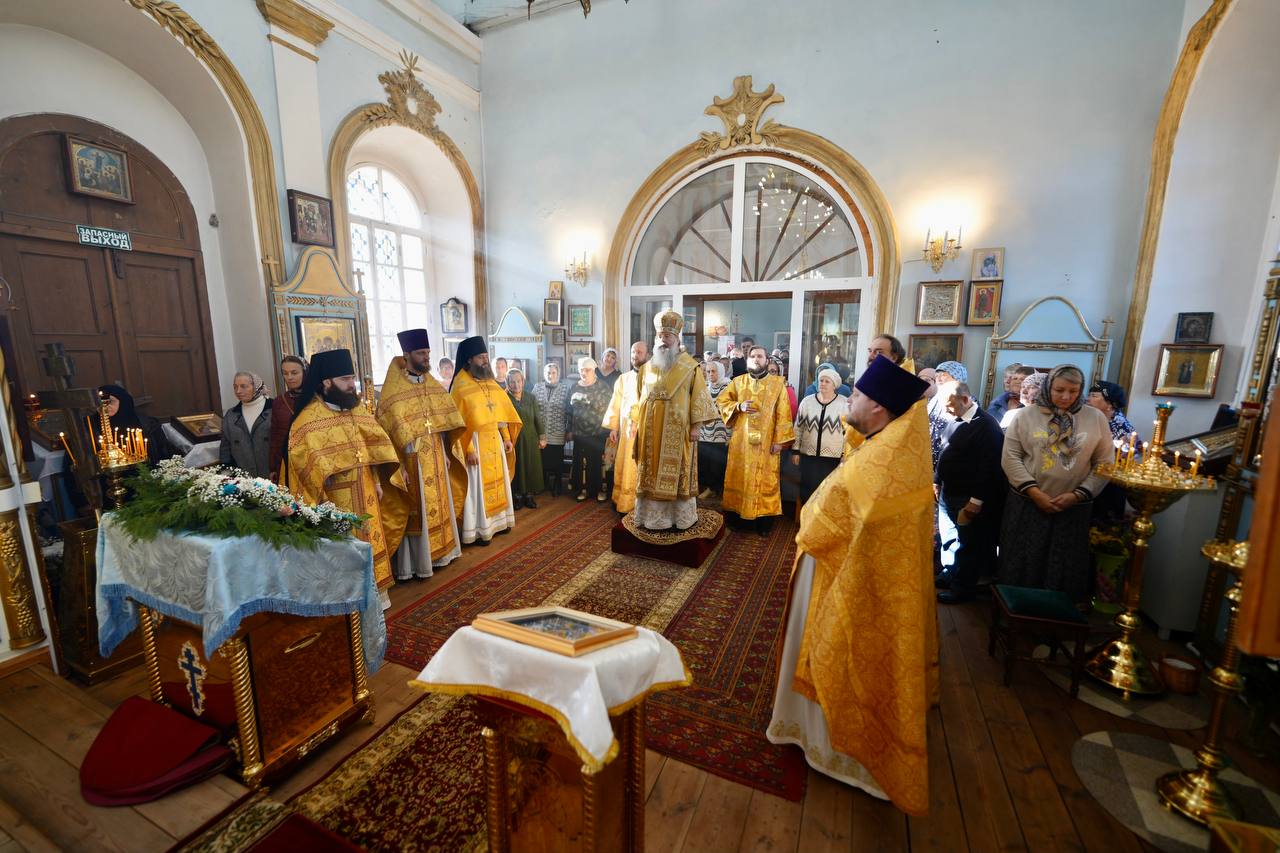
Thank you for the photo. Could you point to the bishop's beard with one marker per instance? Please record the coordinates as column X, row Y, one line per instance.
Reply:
column 342, row 399
column 479, row 371
column 663, row 358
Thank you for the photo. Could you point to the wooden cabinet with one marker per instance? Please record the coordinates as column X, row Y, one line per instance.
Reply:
column 77, row 609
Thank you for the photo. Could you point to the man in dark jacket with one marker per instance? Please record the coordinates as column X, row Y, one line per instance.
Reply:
column 971, row 486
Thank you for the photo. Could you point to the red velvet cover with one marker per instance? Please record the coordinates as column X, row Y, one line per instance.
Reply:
column 691, row 552
column 297, row 833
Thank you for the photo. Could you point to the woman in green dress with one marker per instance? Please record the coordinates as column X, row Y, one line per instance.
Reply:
column 527, row 480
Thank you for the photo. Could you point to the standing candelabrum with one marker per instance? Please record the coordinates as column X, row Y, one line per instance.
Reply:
column 117, row 452
column 1198, row 794
column 1151, row 486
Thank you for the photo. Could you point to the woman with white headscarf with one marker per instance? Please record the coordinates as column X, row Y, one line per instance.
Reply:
column 819, row 432
column 246, row 427
column 713, row 438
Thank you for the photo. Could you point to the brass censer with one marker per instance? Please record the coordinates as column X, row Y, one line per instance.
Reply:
column 1151, row 486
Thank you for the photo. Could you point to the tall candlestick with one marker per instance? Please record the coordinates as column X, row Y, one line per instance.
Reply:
column 1195, row 466
column 1177, row 458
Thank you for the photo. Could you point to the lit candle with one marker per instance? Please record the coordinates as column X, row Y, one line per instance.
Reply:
column 1177, row 457
column 927, row 234
column 1146, row 448
column 1117, row 444
column 62, row 436
column 1195, row 466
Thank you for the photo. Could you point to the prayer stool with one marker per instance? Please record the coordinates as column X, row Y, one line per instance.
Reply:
column 1042, row 614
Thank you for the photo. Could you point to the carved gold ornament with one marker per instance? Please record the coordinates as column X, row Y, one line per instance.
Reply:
column 17, row 594
column 741, row 113
column 408, row 101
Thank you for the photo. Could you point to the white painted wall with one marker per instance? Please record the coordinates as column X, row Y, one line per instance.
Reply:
column 1219, row 227
column 1032, row 121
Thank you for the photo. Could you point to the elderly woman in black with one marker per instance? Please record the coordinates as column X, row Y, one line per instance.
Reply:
column 120, row 408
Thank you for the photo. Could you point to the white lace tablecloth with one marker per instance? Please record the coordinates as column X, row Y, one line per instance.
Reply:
column 578, row 693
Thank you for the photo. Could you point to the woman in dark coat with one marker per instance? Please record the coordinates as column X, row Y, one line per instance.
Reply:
column 526, row 481
column 124, row 416
column 294, row 371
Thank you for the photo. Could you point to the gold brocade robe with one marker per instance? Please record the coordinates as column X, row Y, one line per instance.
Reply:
column 751, row 480
column 869, row 656
column 413, row 414
column 623, row 410
column 670, row 405
column 852, row 438
column 341, row 456
column 489, row 417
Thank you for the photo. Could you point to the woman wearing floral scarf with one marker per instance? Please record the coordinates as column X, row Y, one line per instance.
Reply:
column 1050, row 452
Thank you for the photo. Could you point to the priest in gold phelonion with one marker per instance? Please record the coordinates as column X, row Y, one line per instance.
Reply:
column 418, row 414
column 755, row 407
column 336, row 451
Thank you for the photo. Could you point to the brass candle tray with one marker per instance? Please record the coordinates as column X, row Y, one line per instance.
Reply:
column 556, row 629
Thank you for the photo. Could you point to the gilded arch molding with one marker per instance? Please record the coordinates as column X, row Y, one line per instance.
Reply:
column 410, row 105
column 744, row 133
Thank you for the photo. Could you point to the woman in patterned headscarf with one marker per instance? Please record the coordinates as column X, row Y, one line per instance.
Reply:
column 1050, row 452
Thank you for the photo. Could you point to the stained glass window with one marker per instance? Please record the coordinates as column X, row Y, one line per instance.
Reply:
column 389, row 254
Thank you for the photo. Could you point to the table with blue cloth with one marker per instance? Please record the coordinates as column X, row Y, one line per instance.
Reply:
column 272, row 646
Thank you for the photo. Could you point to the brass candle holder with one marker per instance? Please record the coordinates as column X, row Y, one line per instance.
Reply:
column 1151, row 486
column 117, row 451
column 1197, row 794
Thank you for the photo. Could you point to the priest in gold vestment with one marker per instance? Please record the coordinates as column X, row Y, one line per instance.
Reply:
column 859, row 665
column 484, row 447
column 674, row 403
column 336, row 451
column 621, row 421
column 756, row 408
column 418, row 414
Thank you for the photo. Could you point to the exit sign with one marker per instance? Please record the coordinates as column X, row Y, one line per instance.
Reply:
column 104, row 237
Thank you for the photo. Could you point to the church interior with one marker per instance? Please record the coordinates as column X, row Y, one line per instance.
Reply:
column 556, row 425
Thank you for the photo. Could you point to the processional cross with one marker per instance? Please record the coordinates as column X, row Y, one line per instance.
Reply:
column 74, row 403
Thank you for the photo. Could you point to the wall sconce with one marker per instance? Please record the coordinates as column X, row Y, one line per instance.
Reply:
column 576, row 270
column 939, row 250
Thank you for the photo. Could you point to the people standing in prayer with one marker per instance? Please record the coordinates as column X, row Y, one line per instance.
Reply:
column 125, row 416
column 588, row 404
column 713, row 439
column 812, row 388
column 971, row 488
column 859, row 665
column 819, row 433
column 418, row 414
column 608, row 371
column 1028, row 393
column 336, row 451
column 500, row 369
column 485, row 444
column 674, row 403
column 1110, row 399
column 620, row 420
column 553, row 400
column 294, row 371
column 1011, row 398
column 444, row 371
column 887, row 346
column 776, row 368
column 948, row 374
column 246, row 427
column 1050, row 452
column 755, row 407
column 527, row 481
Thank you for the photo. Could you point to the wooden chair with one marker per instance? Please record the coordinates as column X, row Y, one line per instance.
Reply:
column 1038, row 615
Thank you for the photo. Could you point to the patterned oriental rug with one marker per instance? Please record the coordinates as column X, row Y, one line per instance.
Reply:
column 725, row 617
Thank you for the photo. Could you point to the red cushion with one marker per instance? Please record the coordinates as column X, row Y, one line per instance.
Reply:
column 297, row 832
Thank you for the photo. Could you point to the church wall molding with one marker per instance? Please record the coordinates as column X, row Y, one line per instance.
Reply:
column 296, row 19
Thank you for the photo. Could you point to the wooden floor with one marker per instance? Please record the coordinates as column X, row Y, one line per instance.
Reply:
column 1000, row 765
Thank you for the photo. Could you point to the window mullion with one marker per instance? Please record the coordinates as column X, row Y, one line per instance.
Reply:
column 735, row 226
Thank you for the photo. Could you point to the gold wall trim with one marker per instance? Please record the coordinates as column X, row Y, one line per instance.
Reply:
column 296, row 19
column 17, row 592
column 410, row 105
column 262, row 169
column 1175, row 100
column 274, row 39
column 775, row 140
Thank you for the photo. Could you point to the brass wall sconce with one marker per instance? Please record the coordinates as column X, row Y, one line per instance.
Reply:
column 939, row 250
column 576, row 270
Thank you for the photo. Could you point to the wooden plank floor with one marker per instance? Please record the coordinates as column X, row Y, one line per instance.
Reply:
column 999, row 759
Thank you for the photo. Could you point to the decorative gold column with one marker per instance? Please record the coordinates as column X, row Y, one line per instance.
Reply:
column 237, row 654
column 149, row 620
column 17, row 594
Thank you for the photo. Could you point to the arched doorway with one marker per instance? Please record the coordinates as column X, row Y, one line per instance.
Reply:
column 138, row 317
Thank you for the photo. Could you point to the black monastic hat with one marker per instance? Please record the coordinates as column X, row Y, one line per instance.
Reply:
column 413, row 339
column 469, row 349
column 890, row 385
column 331, row 363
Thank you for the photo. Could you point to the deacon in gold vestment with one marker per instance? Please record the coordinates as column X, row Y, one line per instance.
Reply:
column 674, row 402
column 859, row 665
column 620, row 419
column 418, row 413
column 484, row 446
column 337, row 452
column 756, row 408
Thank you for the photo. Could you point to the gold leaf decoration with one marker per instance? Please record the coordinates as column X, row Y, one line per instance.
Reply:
column 741, row 113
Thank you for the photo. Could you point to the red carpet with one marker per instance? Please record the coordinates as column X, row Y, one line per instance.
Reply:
column 725, row 618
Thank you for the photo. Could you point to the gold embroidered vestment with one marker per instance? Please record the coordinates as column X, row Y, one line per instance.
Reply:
column 490, row 419
column 622, row 414
column 670, row 405
column 751, row 481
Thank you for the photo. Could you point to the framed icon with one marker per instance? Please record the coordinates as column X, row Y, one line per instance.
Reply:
column 553, row 312
column 938, row 303
column 310, row 219
column 932, row 350
column 984, row 302
column 582, row 321
column 1193, row 327
column 1187, row 370
column 453, row 317
column 321, row 334
column 988, row 264
column 557, row 337
column 99, row 170
column 555, row 290
column 574, row 350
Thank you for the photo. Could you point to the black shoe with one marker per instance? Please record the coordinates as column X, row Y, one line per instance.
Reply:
column 483, row 543
column 528, row 501
column 942, row 581
column 950, row 596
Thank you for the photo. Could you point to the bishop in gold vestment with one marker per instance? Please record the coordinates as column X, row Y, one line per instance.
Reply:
column 484, row 447
column 756, row 408
column 859, row 665
column 621, row 421
column 674, row 402
column 418, row 414
column 337, row 452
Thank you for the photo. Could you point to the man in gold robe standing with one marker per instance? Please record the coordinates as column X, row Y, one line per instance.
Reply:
column 620, row 419
column 484, row 446
column 418, row 413
column 859, row 665
column 756, row 408
column 336, row 451
column 674, row 402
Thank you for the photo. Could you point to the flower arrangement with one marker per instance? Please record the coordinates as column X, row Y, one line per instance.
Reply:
column 226, row 501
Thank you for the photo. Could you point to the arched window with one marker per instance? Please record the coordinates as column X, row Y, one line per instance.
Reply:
column 389, row 237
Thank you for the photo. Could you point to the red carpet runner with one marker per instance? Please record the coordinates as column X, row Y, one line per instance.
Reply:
column 725, row 618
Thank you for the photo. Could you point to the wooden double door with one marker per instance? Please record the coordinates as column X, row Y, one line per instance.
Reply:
column 137, row 318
